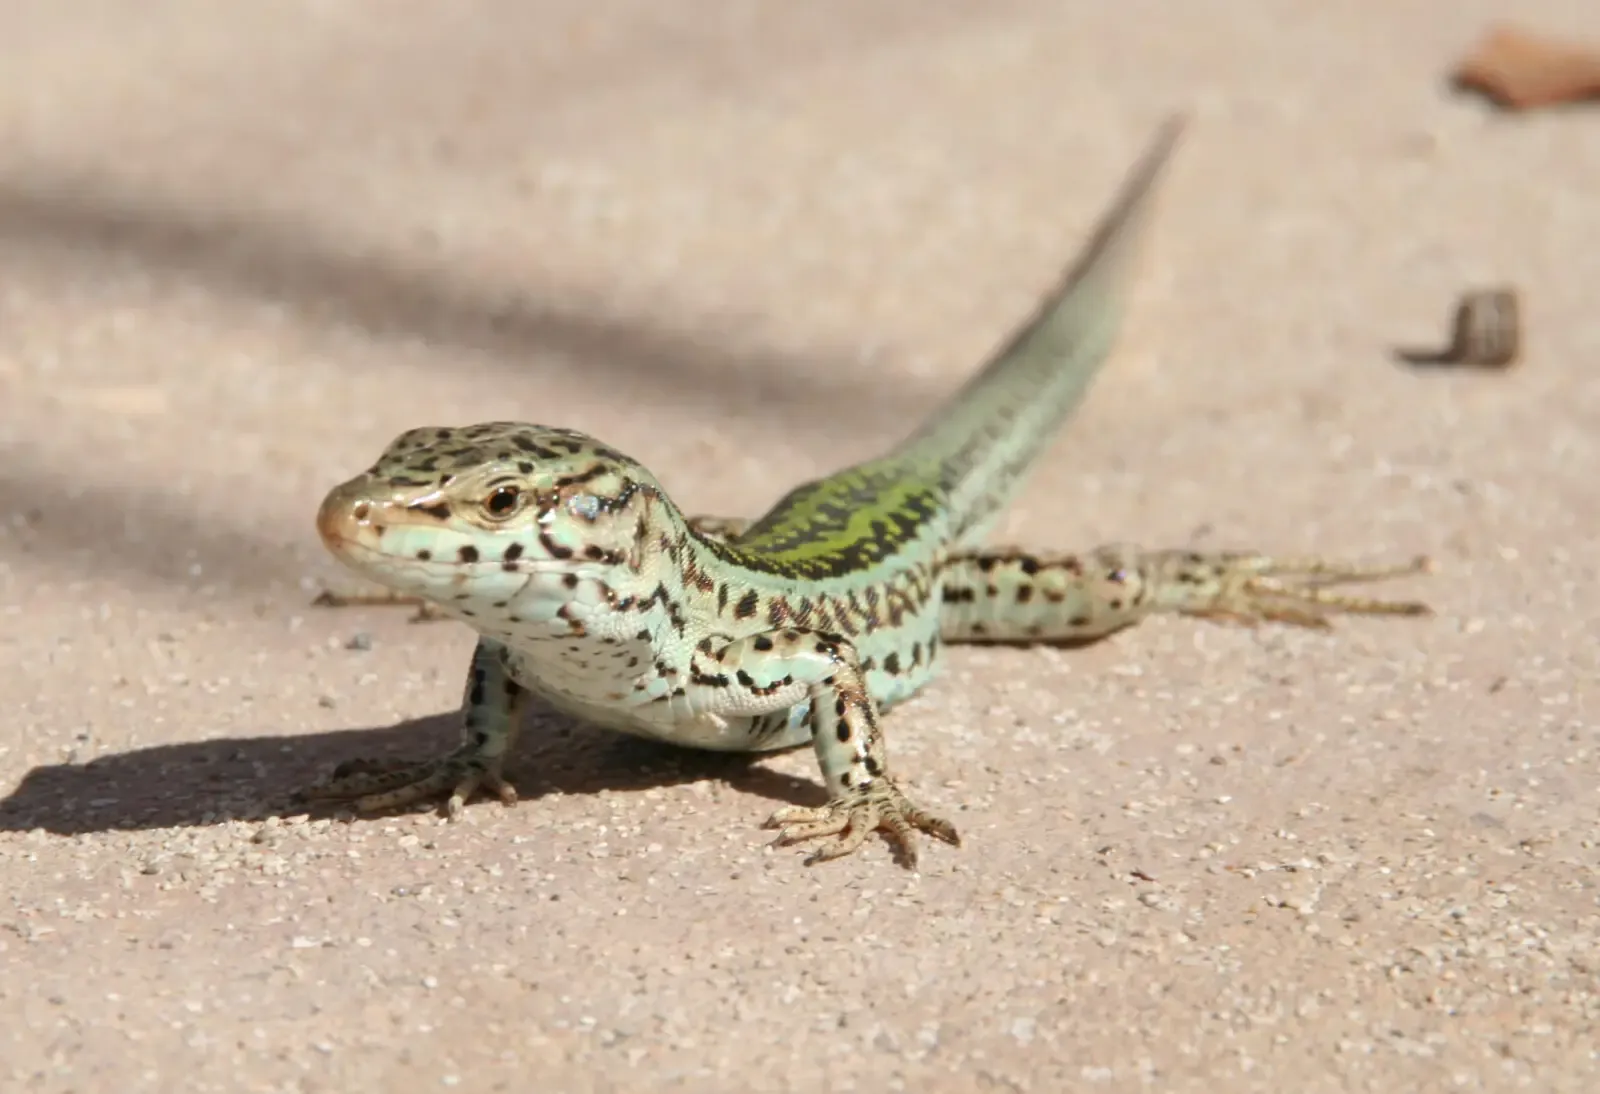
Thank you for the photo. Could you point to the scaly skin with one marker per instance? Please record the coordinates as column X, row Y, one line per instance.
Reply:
column 592, row 592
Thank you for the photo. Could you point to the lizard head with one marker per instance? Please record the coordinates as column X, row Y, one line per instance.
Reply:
column 487, row 514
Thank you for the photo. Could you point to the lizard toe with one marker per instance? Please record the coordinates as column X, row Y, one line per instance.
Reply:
column 850, row 819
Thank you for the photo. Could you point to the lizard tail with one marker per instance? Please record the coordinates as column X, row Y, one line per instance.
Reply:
column 986, row 435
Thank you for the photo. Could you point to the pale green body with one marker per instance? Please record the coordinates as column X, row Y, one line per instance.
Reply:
column 592, row 593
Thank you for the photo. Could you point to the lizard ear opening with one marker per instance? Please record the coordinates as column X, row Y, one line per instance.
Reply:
column 586, row 506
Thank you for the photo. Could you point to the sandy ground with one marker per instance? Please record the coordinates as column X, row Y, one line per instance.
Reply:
column 246, row 244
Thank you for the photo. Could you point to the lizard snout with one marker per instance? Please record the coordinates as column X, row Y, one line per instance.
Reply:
column 345, row 514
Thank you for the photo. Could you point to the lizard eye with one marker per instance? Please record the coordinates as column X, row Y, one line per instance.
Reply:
column 503, row 502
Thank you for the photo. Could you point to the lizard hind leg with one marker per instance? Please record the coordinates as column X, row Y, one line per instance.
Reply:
column 720, row 529
column 1011, row 595
column 382, row 598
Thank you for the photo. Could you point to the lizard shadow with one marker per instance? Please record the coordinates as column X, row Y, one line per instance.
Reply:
column 200, row 783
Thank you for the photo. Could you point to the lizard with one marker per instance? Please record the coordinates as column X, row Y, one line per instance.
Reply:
column 592, row 592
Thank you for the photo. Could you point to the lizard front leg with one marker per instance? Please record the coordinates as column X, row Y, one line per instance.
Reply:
column 773, row 671
column 494, row 704
column 1010, row 595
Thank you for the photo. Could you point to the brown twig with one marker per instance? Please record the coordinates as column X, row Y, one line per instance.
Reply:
column 1486, row 333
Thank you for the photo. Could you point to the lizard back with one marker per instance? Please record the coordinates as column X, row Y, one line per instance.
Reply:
column 945, row 482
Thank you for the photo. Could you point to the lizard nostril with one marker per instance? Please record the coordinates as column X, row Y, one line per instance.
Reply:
column 361, row 511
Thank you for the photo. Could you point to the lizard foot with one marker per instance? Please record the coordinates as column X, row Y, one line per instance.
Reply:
column 1258, row 588
column 854, row 816
column 372, row 785
column 425, row 612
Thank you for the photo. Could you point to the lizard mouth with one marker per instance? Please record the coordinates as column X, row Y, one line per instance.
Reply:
column 372, row 533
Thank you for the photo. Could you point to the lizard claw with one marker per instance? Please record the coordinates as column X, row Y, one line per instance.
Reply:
column 854, row 816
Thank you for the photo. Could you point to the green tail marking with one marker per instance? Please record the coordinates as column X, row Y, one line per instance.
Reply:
column 967, row 461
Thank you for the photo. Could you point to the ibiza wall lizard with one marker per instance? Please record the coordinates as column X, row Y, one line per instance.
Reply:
column 590, row 591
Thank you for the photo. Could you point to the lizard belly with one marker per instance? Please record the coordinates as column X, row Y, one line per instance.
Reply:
column 592, row 665
column 706, row 730
column 593, row 683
